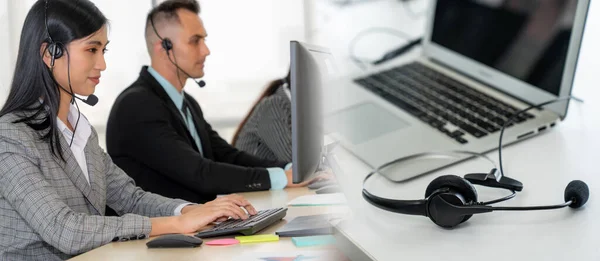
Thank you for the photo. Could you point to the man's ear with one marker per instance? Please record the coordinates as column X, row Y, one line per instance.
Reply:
column 45, row 53
column 158, row 49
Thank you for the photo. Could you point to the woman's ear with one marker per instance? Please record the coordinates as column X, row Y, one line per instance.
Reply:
column 45, row 53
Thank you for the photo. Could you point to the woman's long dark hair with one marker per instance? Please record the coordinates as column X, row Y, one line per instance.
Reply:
column 67, row 20
column 270, row 90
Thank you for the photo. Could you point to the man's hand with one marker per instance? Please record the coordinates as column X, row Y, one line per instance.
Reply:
column 195, row 217
column 290, row 184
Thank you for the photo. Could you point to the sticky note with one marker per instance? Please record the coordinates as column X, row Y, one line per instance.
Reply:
column 222, row 242
column 313, row 240
column 257, row 238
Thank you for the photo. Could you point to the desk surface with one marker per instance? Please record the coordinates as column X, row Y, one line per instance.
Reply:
column 545, row 164
column 137, row 250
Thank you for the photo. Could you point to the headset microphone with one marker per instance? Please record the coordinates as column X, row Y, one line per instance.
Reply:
column 91, row 100
column 200, row 83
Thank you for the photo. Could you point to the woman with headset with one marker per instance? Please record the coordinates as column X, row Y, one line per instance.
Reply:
column 55, row 179
column 267, row 129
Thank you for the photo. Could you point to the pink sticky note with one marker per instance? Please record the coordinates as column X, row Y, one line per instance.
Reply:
column 222, row 242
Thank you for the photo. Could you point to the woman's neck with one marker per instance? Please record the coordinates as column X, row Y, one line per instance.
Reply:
column 64, row 107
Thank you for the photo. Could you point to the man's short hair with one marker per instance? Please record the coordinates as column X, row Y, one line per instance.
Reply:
column 167, row 12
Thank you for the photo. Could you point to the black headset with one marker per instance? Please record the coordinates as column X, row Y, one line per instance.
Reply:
column 167, row 45
column 447, row 189
column 56, row 50
column 451, row 200
column 53, row 47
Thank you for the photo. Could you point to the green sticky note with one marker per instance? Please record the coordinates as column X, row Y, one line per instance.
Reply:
column 313, row 240
column 257, row 238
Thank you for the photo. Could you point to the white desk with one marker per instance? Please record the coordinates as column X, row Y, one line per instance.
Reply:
column 137, row 250
column 545, row 164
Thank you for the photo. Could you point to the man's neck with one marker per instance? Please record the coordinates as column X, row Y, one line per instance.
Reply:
column 170, row 74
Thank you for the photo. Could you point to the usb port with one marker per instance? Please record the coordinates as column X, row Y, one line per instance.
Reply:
column 543, row 128
column 524, row 135
column 552, row 125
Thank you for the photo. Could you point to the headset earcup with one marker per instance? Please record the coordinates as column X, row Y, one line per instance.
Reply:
column 167, row 44
column 456, row 183
column 55, row 51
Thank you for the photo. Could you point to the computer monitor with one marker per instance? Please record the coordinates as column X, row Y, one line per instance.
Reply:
column 310, row 67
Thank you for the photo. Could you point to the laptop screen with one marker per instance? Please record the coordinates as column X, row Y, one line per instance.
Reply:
column 526, row 39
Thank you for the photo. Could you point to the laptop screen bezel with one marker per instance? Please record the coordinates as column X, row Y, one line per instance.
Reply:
column 505, row 82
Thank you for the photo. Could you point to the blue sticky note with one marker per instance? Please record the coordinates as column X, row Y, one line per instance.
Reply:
column 313, row 240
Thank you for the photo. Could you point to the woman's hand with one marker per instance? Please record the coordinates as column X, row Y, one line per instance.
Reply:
column 318, row 177
column 195, row 217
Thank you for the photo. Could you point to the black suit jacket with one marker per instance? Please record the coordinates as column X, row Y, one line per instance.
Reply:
column 147, row 137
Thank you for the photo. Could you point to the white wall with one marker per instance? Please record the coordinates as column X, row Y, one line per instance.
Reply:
column 586, row 77
column 5, row 51
column 125, row 57
column 246, row 54
column 10, row 30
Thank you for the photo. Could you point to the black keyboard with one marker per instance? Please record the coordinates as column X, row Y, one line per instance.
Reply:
column 442, row 102
column 250, row 226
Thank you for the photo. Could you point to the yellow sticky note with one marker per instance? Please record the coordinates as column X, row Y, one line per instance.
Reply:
column 257, row 238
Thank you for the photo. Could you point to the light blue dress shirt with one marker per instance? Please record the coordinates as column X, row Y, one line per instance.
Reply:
column 276, row 175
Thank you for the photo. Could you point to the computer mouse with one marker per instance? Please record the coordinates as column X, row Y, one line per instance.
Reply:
column 174, row 241
column 328, row 189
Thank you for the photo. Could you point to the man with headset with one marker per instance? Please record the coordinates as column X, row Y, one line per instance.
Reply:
column 157, row 133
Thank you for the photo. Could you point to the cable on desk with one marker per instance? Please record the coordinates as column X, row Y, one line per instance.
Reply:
column 362, row 62
column 449, row 154
column 398, row 51
column 511, row 119
column 344, row 3
column 408, row 8
column 518, row 113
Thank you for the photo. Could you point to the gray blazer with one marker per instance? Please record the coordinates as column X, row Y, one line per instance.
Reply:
column 268, row 132
column 48, row 211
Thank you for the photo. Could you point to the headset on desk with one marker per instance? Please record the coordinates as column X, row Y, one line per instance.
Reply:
column 451, row 200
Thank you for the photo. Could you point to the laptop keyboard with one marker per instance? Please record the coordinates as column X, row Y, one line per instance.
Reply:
column 442, row 102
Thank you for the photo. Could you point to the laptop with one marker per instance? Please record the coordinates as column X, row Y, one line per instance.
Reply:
column 481, row 61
